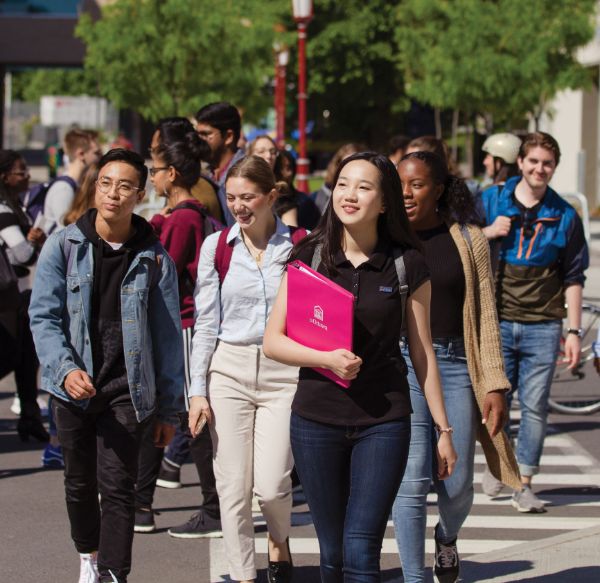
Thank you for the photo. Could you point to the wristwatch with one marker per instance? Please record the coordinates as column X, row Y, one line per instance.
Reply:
column 576, row 331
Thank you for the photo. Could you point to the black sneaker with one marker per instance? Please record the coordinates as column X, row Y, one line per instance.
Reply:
column 200, row 525
column 144, row 520
column 169, row 475
column 446, row 567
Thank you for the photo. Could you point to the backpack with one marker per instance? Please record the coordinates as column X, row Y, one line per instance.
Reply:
column 210, row 225
column 34, row 199
column 224, row 249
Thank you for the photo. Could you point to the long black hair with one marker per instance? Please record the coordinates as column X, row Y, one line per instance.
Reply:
column 393, row 225
column 456, row 202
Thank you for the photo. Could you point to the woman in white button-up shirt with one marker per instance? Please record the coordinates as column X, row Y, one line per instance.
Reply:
column 244, row 396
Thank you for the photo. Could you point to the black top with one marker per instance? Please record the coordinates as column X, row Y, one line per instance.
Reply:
column 106, row 330
column 380, row 392
column 447, row 282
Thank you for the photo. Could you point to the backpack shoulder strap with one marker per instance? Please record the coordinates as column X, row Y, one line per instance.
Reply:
column 223, row 255
column 464, row 230
column 297, row 234
column 402, row 278
column 316, row 258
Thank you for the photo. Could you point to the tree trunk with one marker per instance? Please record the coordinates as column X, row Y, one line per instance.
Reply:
column 438, row 123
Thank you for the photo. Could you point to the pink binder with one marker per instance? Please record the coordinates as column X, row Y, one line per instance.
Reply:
column 320, row 313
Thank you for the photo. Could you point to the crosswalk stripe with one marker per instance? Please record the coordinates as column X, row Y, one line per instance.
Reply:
column 553, row 460
column 310, row 546
column 578, row 479
column 530, row 522
column 571, row 500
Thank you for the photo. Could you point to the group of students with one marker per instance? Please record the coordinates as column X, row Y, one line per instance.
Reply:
column 135, row 322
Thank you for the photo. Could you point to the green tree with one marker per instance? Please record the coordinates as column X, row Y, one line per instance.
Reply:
column 507, row 58
column 352, row 74
column 169, row 57
column 31, row 85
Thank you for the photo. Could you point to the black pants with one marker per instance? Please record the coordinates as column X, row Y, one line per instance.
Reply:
column 149, row 466
column 100, row 447
column 22, row 356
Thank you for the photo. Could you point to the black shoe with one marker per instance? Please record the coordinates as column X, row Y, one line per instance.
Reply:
column 169, row 475
column 32, row 426
column 144, row 520
column 446, row 567
column 281, row 571
column 200, row 525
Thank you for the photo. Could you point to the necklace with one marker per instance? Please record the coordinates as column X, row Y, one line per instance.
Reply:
column 255, row 253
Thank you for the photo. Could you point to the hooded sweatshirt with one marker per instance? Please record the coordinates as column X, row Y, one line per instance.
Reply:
column 111, row 263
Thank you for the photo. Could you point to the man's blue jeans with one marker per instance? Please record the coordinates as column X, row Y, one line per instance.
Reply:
column 530, row 353
column 350, row 476
column 455, row 494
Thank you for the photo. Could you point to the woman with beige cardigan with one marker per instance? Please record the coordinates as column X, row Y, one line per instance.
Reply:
column 466, row 339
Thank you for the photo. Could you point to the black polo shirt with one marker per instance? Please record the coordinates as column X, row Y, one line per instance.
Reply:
column 380, row 392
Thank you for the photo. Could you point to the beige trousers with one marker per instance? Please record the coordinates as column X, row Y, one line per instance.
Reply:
column 251, row 398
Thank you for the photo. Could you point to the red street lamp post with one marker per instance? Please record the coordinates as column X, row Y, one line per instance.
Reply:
column 281, row 60
column 303, row 13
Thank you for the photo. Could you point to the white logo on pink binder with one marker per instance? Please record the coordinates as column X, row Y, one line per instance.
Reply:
column 317, row 319
column 318, row 313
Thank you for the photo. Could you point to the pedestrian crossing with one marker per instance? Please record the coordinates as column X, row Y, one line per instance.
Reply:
column 569, row 483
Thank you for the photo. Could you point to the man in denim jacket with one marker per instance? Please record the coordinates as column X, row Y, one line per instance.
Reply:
column 105, row 320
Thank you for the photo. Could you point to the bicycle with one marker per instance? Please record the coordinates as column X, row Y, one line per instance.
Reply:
column 578, row 406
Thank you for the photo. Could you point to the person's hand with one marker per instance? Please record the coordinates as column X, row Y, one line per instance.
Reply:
column 500, row 227
column 199, row 407
column 446, row 456
column 343, row 363
column 163, row 433
column 36, row 236
column 495, row 409
column 572, row 350
column 78, row 385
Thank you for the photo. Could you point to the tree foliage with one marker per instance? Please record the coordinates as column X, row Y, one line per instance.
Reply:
column 170, row 57
column 503, row 57
column 351, row 58
column 31, row 85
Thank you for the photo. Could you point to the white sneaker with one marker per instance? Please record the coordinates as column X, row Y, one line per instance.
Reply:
column 15, row 408
column 88, row 568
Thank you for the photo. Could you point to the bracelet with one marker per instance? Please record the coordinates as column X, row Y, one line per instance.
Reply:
column 449, row 429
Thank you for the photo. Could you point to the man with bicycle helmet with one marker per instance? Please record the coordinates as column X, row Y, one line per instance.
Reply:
column 541, row 258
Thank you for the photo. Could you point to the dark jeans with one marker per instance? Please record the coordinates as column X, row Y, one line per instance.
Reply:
column 150, row 459
column 100, row 448
column 350, row 476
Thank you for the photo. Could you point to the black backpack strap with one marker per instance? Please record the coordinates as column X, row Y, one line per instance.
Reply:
column 402, row 278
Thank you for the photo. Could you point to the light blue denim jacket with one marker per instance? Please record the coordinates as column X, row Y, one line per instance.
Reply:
column 60, row 314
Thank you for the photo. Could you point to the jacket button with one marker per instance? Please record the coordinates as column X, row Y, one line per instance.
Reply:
column 87, row 341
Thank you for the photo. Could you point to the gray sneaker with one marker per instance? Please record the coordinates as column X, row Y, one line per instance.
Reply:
column 491, row 486
column 527, row 501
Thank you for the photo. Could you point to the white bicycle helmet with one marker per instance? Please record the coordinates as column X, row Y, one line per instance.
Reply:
column 505, row 146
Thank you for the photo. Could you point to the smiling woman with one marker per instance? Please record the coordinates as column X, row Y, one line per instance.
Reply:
column 361, row 239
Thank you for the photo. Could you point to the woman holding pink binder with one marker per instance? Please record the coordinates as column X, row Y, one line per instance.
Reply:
column 351, row 444
column 244, row 396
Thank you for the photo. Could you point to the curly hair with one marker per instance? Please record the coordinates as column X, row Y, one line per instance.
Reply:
column 456, row 204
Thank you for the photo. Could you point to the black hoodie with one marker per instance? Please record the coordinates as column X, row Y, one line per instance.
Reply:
column 110, row 268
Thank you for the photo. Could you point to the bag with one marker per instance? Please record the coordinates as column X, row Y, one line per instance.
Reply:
column 210, row 225
column 8, row 277
column 34, row 199
column 224, row 249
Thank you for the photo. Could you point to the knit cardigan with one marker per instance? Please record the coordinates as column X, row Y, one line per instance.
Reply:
column 483, row 347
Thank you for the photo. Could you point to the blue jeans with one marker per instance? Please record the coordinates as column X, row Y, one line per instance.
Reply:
column 350, row 476
column 530, row 353
column 455, row 494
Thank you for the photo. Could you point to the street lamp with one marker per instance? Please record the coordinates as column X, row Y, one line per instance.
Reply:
column 282, row 57
column 303, row 13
